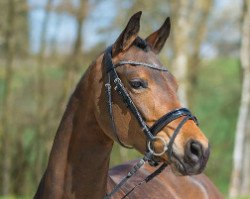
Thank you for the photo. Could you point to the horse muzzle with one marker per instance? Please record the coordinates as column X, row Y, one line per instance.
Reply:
column 194, row 159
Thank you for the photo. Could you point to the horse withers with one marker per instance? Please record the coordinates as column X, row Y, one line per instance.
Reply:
column 128, row 96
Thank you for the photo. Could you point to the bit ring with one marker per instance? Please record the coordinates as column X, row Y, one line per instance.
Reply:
column 151, row 150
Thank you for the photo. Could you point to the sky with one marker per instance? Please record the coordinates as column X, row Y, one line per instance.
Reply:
column 62, row 27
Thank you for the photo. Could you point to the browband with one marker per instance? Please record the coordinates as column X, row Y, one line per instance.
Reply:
column 133, row 63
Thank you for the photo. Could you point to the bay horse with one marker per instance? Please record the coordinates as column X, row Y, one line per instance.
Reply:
column 127, row 96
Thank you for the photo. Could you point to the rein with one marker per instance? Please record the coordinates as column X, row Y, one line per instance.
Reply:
column 150, row 132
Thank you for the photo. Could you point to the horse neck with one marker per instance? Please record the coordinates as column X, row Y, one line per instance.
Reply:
column 79, row 160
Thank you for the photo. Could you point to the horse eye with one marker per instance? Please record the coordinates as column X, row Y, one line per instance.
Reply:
column 138, row 84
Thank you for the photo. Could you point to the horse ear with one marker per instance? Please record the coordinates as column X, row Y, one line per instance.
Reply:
column 158, row 38
column 128, row 35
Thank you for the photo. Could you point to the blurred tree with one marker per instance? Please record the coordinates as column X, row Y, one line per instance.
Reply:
column 225, row 20
column 189, row 20
column 200, row 16
column 14, row 19
column 3, row 4
column 153, row 14
column 74, row 61
column 41, row 114
column 5, row 131
column 70, row 67
column 240, row 182
column 21, row 26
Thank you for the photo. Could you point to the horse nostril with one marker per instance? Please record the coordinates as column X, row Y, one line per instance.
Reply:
column 194, row 151
column 196, row 148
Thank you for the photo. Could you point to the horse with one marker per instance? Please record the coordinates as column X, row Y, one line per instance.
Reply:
column 127, row 96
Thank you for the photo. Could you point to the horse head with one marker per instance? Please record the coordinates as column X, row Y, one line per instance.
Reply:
column 133, row 62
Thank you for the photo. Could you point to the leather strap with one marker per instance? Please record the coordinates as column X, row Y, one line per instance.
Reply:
column 169, row 117
column 119, row 87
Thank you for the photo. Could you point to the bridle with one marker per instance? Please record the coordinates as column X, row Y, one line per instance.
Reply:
column 150, row 132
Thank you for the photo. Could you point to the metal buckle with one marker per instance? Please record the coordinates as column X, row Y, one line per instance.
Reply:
column 107, row 85
column 165, row 148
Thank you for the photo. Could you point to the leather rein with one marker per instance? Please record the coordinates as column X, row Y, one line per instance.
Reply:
column 150, row 132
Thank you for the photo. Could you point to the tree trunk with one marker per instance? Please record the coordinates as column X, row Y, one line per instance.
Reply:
column 40, row 98
column 6, row 131
column 200, row 15
column 73, row 62
column 181, row 32
column 240, row 185
column 189, row 29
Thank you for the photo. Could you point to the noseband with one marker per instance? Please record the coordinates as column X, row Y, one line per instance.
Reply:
column 150, row 132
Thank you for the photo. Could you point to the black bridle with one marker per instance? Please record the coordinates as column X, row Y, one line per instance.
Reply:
column 150, row 132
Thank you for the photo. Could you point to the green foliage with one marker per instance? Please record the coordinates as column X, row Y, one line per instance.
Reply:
column 216, row 105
